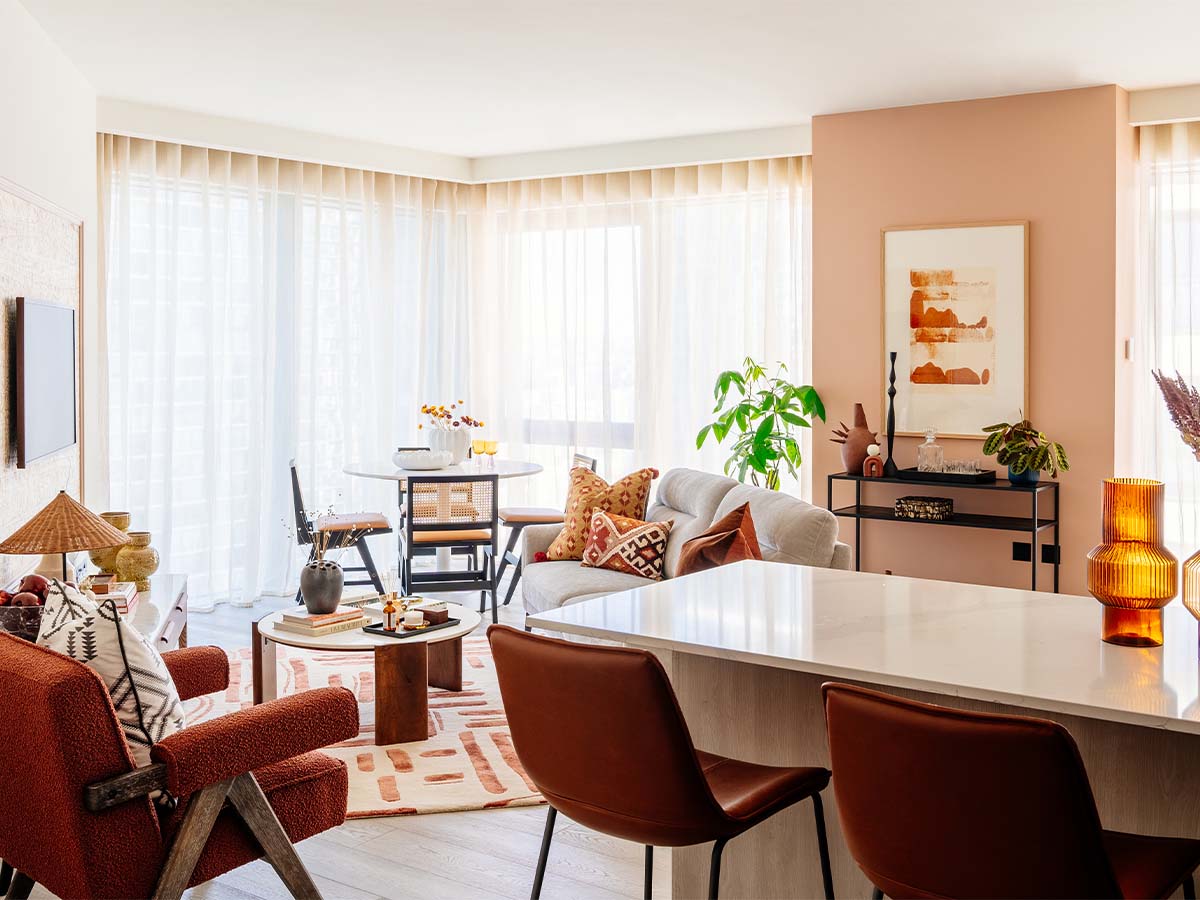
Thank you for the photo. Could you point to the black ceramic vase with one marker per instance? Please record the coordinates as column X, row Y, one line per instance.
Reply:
column 890, row 469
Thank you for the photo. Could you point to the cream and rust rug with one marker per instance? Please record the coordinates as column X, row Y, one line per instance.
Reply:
column 467, row 763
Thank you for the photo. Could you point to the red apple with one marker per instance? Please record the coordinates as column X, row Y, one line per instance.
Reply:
column 35, row 584
column 5, row 598
column 27, row 598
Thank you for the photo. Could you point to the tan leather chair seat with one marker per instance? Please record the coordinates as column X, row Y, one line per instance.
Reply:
column 351, row 521
column 530, row 515
column 465, row 534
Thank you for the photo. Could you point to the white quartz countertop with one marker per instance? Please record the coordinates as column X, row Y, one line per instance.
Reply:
column 1036, row 650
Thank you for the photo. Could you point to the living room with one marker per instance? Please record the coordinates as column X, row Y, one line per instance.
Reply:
column 395, row 392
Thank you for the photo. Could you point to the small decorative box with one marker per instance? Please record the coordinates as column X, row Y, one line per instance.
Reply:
column 925, row 509
column 435, row 613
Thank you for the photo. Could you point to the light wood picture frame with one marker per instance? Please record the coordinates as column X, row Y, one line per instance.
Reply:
column 954, row 304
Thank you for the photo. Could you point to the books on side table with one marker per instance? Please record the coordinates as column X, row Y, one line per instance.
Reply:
column 124, row 594
column 344, row 618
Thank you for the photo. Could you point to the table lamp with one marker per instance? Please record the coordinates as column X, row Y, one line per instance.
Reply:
column 63, row 526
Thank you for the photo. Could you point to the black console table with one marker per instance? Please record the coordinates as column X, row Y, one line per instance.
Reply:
column 1033, row 524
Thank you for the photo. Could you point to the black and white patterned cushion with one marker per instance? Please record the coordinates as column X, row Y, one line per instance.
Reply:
column 137, row 679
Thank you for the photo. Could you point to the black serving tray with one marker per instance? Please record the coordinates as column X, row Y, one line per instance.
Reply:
column 400, row 634
column 985, row 477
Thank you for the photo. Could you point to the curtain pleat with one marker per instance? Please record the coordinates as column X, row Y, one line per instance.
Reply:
column 260, row 310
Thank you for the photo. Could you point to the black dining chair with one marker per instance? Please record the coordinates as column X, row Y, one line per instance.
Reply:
column 458, row 513
column 367, row 524
column 518, row 518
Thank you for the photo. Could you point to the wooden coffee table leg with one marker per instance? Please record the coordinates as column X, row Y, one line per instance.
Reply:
column 263, row 663
column 445, row 664
column 401, row 692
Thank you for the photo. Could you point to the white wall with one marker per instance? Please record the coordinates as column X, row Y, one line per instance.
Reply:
column 48, row 146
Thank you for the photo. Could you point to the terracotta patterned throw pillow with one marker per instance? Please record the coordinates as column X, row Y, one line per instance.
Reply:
column 587, row 491
column 729, row 540
column 626, row 545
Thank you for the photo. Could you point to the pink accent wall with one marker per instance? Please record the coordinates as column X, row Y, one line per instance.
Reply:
column 1064, row 162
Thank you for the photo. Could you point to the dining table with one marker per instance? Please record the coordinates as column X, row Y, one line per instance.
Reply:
column 387, row 471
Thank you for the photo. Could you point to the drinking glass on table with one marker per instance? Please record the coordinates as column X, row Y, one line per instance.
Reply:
column 478, row 447
column 490, row 447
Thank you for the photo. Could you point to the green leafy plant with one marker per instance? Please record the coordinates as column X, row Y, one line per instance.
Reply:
column 1023, row 449
column 763, row 412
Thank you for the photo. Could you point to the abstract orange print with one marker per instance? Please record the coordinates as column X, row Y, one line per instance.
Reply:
column 952, row 338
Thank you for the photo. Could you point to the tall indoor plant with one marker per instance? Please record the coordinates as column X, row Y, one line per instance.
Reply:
column 764, row 413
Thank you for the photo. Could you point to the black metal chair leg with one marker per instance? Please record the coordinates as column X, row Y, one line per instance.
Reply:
column 544, row 853
column 368, row 563
column 876, row 893
column 514, row 534
column 6, row 874
column 649, row 890
column 512, row 585
column 823, row 846
column 714, row 870
column 494, row 581
column 1189, row 888
column 21, row 887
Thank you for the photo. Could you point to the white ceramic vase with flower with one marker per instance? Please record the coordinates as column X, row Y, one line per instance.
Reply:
column 446, row 428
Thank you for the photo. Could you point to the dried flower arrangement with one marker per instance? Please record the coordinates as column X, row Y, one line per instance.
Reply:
column 445, row 418
column 1183, row 403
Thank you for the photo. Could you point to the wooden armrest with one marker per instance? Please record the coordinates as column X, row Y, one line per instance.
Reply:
column 123, row 788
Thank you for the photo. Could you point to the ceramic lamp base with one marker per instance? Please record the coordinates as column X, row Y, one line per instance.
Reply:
column 1133, row 627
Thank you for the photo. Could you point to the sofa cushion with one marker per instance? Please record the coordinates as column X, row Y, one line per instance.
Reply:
column 549, row 585
column 626, row 545
column 586, row 492
column 789, row 529
column 730, row 539
column 688, row 499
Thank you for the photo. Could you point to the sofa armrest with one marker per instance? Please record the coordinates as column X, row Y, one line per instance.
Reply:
column 537, row 539
column 197, row 671
column 248, row 739
column 842, row 557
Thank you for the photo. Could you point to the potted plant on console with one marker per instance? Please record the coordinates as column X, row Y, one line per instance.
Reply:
column 1026, row 451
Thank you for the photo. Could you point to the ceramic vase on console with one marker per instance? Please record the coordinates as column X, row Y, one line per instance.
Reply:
column 456, row 442
column 105, row 559
column 321, row 584
column 855, row 441
column 137, row 560
column 1130, row 571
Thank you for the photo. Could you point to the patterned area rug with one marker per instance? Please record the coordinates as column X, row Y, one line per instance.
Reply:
column 467, row 763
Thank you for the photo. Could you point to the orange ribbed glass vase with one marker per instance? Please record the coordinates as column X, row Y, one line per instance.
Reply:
column 1130, row 571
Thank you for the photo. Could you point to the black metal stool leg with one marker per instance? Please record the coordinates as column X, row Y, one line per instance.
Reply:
column 649, row 890
column 876, row 894
column 6, row 874
column 514, row 534
column 21, row 888
column 369, row 563
column 544, row 853
column 714, row 869
column 512, row 585
column 823, row 846
column 1189, row 888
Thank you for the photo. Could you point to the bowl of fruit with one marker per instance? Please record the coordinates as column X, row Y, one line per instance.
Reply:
column 21, row 610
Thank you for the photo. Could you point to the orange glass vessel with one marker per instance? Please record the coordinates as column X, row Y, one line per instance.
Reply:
column 1130, row 571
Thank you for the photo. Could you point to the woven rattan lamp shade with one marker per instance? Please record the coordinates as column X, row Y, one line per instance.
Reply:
column 62, row 527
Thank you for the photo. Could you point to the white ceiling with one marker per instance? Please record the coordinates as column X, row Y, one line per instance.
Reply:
column 480, row 78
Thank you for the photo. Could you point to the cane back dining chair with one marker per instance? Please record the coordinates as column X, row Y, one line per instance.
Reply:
column 599, row 732
column 365, row 524
column 939, row 802
column 454, row 513
column 518, row 518
column 231, row 790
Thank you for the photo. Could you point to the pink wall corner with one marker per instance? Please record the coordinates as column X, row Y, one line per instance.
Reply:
column 1050, row 158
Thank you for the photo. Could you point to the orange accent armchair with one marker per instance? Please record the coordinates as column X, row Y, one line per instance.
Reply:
column 77, row 816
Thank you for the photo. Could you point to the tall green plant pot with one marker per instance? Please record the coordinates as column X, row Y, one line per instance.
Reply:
column 1028, row 477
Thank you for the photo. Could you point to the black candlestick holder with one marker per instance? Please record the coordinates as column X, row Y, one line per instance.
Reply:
column 890, row 469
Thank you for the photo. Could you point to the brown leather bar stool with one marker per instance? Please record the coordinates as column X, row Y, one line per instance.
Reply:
column 938, row 802
column 600, row 733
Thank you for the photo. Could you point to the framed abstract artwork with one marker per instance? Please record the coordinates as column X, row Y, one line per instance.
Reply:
column 956, row 313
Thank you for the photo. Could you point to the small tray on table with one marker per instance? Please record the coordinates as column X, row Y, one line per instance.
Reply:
column 401, row 633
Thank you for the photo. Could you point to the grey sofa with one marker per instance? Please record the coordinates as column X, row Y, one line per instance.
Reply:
column 789, row 530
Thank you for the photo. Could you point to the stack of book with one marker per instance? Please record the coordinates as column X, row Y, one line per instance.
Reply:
column 344, row 618
column 123, row 593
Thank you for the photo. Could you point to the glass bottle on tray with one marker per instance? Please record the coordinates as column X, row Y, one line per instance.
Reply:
column 929, row 454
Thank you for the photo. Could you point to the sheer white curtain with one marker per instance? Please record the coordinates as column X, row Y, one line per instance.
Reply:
column 1168, row 317
column 606, row 306
column 260, row 310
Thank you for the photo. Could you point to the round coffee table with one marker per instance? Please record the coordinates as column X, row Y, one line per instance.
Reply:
column 405, row 668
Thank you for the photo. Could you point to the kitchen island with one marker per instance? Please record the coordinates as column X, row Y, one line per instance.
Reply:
column 748, row 646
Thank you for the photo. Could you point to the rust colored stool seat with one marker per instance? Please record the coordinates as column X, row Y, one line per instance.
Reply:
column 600, row 733
column 939, row 802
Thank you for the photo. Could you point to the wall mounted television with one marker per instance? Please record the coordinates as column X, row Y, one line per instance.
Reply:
column 45, row 379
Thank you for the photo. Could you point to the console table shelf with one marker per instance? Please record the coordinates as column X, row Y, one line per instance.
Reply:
column 1032, row 525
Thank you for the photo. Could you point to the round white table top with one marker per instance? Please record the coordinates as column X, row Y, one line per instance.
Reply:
column 362, row 640
column 505, row 468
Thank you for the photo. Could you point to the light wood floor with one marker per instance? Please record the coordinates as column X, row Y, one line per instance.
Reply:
column 480, row 855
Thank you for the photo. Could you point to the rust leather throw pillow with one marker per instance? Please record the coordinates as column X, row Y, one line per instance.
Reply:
column 729, row 540
column 626, row 545
column 586, row 492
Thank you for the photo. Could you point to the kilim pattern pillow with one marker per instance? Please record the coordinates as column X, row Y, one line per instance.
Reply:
column 587, row 491
column 137, row 679
column 626, row 545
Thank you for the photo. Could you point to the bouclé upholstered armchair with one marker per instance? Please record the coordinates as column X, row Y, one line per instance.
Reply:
column 77, row 816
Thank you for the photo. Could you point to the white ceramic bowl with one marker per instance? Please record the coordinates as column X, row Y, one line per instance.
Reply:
column 421, row 460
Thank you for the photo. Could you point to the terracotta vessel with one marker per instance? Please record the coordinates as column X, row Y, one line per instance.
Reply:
column 855, row 441
column 137, row 560
column 105, row 559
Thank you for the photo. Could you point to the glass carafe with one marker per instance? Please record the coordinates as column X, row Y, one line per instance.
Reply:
column 929, row 454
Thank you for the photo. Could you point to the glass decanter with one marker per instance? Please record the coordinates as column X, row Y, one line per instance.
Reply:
column 929, row 454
